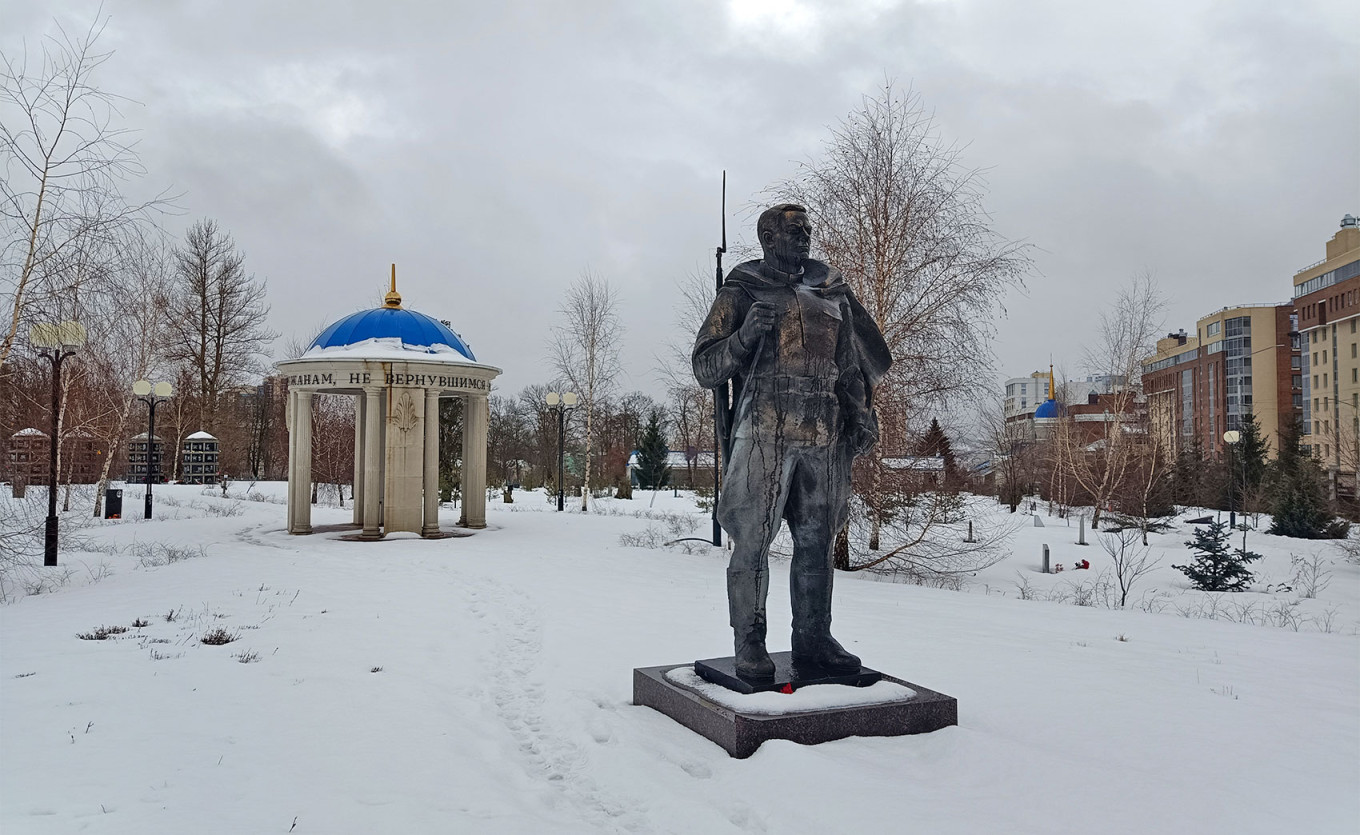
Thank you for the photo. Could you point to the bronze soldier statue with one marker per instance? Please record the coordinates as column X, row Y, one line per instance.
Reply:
column 803, row 357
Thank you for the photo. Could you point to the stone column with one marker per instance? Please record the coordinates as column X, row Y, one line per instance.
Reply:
column 289, row 415
column 302, row 419
column 375, row 401
column 431, row 468
column 358, row 494
column 405, row 443
column 474, row 461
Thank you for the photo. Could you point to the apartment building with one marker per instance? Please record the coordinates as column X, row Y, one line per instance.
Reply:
column 1327, row 301
column 1239, row 360
column 1024, row 394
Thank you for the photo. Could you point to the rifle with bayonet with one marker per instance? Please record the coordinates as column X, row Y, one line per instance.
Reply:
column 722, row 407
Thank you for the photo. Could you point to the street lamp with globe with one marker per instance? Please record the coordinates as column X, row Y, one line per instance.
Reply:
column 1231, row 437
column 151, row 394
column 56, row 342
column 561, row 403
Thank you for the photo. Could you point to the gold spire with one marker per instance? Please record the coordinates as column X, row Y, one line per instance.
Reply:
column 393, row 298
column 1052, row 387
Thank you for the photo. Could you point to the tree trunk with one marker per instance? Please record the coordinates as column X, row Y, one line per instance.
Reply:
column 840, row 554
column 585, row 487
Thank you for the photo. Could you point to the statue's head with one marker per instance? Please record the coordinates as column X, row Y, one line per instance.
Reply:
column 785, row 235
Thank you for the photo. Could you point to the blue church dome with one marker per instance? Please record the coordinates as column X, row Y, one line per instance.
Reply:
column 1048, row 409
column 415, row 330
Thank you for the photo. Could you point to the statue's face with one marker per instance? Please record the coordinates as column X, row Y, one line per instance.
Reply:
column 791, row 241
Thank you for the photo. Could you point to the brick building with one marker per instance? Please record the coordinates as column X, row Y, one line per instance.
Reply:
column 1240, row 360
column 1327, row 300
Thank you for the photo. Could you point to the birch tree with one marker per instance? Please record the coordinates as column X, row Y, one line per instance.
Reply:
column 897, row 211
column 1128, row 335
column 64, row 157
column 585, row 350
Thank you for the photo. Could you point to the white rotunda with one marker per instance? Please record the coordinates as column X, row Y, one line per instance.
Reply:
column 397, row 364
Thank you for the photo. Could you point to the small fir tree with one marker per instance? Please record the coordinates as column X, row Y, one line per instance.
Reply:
column 652, row 471
column 1253, row 452
column 1216, row 567
column 1188, row 480
column 1299, row 495
column 936, row 443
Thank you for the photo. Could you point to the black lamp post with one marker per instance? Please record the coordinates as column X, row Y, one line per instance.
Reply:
column 56, row 342
column 151, row 395
column 1231, row 437
column 561, row 403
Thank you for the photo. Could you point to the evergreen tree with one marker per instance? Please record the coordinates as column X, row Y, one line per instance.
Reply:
column 1188, row 480
column 1299, row 494
column 935, row 443
column 652, row 471
column 1216, row 567
column 1252, row 453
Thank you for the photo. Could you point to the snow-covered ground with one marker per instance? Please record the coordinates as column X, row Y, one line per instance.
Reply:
column 483, row 684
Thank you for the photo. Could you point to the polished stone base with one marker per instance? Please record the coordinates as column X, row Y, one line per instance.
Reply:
column 740, row 734
column 722, row 671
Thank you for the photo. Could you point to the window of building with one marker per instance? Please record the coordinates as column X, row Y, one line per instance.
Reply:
column 1324, row 357
column 1352, row 326
column 1315, row 362
column 1352, row 350
column 1214, row 329
column 1325, row 401
column 1324, row 380
column 1297, row 382
column 1296, row 362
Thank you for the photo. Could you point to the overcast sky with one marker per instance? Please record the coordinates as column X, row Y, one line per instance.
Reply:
column 494, row 150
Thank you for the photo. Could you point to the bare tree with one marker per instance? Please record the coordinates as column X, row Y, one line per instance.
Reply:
column 1128, row 333
column 121, row 346
column 215, row 324
column 1012, row 457
column 900, row 215
column 691, row 405
column 1130, row 557
column 585, row 350
column 332, row 444
column 925, row 541
column 63, row 159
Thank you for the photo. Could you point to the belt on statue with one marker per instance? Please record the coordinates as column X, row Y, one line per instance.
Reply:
column 802, row 385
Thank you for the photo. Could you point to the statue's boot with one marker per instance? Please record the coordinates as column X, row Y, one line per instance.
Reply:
column 813, row 645
column 746, row 607
column 752, row 660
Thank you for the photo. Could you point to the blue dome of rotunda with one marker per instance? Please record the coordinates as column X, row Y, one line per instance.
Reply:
column 415, row 330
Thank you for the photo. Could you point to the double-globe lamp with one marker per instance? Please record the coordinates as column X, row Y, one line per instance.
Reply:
column 561, row 403
column 151, row 394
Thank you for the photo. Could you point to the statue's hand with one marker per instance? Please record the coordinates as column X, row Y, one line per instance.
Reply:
column 759, row 319
column 861, row 437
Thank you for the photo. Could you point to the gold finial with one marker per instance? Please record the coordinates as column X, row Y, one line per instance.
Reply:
column 1052, row 387
column 393, row 298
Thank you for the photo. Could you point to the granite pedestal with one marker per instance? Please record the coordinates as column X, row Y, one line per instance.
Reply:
column 740, row 734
